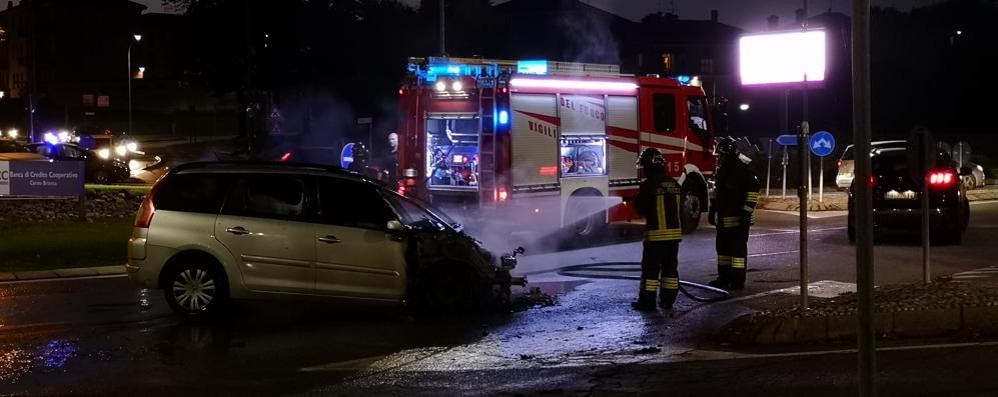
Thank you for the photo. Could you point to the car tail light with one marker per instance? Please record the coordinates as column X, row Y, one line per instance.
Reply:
column 873, row 181
column 286, row 156
column 942, row 178
column 839, row 164
column 143, row 218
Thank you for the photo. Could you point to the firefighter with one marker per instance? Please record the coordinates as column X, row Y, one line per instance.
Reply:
column 659, row 202
column 737, row 194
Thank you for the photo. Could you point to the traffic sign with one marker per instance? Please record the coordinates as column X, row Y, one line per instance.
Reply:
column 822, row 143
column 346, row 155
column 787, row 140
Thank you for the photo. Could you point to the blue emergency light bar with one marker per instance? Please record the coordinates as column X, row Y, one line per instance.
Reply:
column 449, row 67
column 532, row 67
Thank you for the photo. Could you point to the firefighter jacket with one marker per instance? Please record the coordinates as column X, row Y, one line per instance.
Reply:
column 737, row 194
column 659, row 202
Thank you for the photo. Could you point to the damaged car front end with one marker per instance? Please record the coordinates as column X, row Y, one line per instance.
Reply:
column 448, row 270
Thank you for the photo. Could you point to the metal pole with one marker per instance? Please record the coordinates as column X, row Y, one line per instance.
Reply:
column 802, row 193
column 821, row 180
column 805, row 196
column 443, row 48
column 129, row 75
column 863, row 199
column 926, row 168
column 785, row 160
column 769, row 165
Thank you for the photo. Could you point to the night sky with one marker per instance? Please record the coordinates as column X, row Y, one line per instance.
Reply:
column 747, row 14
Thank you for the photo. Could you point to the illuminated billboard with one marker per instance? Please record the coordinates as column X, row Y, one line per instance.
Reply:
column 782, row 58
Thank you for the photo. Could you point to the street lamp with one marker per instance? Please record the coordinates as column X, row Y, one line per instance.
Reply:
column 744, row 107
column 138, row 38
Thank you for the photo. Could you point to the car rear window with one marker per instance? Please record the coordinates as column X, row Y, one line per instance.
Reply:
column 11, row 147
column 193, row 193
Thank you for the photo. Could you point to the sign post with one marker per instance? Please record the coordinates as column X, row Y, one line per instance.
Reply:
column 769, row 165
column 921, row 160
column 822, row 144
column 785, row 140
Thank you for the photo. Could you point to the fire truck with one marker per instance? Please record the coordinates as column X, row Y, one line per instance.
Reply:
column 548, row 143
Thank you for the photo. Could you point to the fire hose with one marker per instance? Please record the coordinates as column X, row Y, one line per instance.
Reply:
column 595, row 270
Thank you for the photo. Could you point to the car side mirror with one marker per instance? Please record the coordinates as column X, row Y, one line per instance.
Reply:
column 394, row 225
column 966, row 171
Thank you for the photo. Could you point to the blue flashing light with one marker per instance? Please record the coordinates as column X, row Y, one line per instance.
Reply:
column 532, row 67
column 503, row 117
column 683, row 79
column 50, row 138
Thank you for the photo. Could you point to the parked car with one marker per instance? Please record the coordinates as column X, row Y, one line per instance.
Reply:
column 98, row 168
column 208, row 232
column 976, row 178
column 847, row 163
column 896, row 197
column 11, row 150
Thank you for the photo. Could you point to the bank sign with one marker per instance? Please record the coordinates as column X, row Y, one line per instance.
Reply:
column 41, row 178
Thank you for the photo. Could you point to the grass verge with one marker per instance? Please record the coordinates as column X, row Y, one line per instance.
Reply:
column 42, row 246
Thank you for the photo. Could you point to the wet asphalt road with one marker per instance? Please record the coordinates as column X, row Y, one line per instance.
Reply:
column 108, row 337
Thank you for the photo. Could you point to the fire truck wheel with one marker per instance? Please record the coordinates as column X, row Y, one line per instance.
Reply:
column 692, row 205
column 588, row 228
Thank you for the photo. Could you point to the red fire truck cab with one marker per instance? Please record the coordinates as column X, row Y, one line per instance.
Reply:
column 548, row 144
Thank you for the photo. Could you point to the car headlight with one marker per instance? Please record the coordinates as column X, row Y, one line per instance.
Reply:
column 132, row 146
column 980, row 168
column 104, row 153
column 121, row 150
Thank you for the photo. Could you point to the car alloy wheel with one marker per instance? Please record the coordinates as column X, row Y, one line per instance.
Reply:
column 194, row 289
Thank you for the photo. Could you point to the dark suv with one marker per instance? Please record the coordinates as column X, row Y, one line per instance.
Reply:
column 897, row 202
column 208, row 232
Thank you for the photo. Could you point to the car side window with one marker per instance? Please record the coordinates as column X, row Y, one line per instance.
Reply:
column 71, row 152
column 268, row 196
column 353, row 204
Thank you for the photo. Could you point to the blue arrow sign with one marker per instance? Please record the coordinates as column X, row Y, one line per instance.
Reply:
column 346, row 156
column 787, row 140
column 822, row 143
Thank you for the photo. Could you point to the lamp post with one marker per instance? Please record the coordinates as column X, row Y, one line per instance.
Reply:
column 138, row 38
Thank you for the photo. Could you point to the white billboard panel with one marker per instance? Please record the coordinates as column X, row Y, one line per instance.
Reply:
column 781, row 58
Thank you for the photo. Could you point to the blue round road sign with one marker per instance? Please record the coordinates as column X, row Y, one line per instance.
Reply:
column 346, row 155
column 822, row 143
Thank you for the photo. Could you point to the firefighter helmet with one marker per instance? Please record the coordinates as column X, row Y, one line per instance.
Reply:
column 727, row 146
column 651, row 157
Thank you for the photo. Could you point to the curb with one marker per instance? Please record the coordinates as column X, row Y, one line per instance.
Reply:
column 76, row 272
column 963, row 320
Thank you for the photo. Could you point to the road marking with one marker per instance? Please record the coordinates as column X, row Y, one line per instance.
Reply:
column 47, row 280
column 795, row 231
column 774, row 253
column 986, row 272
column 812, row 214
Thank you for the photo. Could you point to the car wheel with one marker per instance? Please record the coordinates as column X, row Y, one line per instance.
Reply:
column 101, row 177
column 690, row 217
column 195, row 289
column 447, row 289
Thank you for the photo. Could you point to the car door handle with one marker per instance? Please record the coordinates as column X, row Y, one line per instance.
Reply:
column 238, row 230
column 330, row 239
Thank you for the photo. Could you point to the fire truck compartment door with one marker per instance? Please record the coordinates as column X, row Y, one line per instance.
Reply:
column 622, row 135
column 534, row 134
column 590, row 202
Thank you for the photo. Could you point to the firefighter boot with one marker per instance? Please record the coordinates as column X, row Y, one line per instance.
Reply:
column 737, row 274
column 645, row 302
column 723, row 280
column 667, row 295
